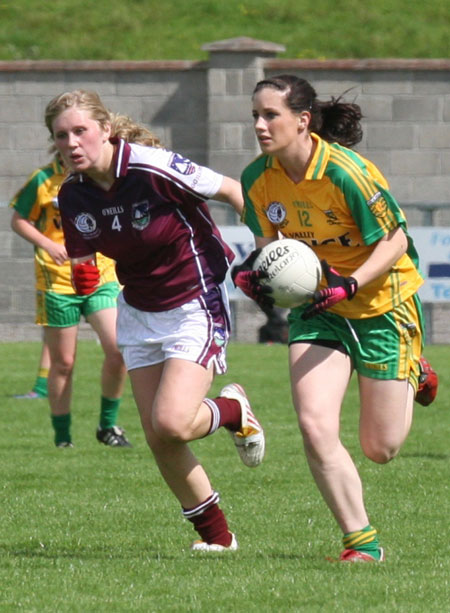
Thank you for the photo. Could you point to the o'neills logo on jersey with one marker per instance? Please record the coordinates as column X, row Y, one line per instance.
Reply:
column 140, row 215
column 182, row 165
column 276, row 212
column 377, row 205
column 87, row 225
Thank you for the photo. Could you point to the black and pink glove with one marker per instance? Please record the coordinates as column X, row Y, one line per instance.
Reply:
column 85, row 278
column 339, row 288
column 247, row 280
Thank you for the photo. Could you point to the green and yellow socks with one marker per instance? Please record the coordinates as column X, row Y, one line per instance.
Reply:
column 365, row 540
column 40, row 385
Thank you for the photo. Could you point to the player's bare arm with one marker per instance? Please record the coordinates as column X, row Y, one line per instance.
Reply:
column 231, row 192
column 27, row 230
column 387, row 251
column 85, row 258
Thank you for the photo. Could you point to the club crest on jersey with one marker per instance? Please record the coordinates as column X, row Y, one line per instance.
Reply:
column 219, row 337
column 86, row 224
column 182, row 165
column 276, row 212
column 140, row 215
column 377, row 205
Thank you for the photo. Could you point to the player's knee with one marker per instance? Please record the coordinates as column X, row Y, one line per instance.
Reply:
column 379, row 452
column 316, row 437
column 311, row 436
column 115, row 364
column 170, row 430
column 63, row 366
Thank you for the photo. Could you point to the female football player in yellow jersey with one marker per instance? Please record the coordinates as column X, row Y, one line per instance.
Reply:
column 308, row 185
column 36, row 218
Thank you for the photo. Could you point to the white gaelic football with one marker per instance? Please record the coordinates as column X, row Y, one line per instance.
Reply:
column 294, row 271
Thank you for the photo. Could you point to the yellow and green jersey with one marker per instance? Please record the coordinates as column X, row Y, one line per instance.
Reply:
column 341, row 209
column 37, row 201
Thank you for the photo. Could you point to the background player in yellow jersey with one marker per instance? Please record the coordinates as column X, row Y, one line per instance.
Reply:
column 309, row 186
column 36, row 218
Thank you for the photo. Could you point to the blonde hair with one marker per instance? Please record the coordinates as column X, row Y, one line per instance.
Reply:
column 121, row 125
column 124, row 127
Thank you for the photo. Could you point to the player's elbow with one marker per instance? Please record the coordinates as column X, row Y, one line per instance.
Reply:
column 14, row 221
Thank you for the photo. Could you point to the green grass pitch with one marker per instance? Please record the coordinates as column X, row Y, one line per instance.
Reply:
column 95, row 529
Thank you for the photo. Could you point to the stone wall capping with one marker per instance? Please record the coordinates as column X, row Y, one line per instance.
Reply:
column 184, row 65
column 358, row 64
column 243, row 44
column 100, row 65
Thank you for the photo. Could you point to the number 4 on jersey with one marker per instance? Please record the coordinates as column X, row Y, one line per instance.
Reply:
column 116, row 223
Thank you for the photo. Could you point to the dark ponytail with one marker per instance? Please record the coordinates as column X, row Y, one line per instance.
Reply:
column 340, row 122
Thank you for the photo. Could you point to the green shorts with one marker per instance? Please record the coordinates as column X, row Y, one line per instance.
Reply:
column 384, row 347
column 65, row 310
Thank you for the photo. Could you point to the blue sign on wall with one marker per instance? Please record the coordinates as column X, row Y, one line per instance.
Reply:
column 433, row 246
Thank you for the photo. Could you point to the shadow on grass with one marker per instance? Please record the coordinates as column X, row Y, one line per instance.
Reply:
column 429, row 456
column 77, row 553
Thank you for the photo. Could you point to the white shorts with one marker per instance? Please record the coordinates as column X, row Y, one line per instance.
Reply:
column 197, row 331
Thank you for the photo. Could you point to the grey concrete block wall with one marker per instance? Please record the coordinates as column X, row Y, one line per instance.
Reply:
column 406, row 118
column 170, row 99
column 203, row 110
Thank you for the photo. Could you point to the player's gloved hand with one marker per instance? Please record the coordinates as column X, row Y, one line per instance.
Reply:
column 248, row 279
column 339, row 288
column 85, row 277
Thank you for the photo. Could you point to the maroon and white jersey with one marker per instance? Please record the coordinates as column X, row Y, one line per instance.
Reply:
column 153, row 222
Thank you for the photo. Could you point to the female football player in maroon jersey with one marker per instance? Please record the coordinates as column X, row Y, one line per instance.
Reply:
column 144, row 207
column 310, row 186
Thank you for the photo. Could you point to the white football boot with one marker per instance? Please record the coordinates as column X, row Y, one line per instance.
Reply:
column 214, row 547
column 249, row 439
